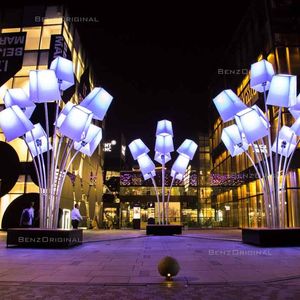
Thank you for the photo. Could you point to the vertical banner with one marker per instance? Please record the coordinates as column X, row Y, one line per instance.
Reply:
column 11, row 54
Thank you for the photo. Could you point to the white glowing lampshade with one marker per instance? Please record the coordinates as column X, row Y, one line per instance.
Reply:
column 286, row 141
column 158, row 157
column 164, row 144
column 233, row 140
column 146, row 164
column 14, row 122
column 37, row 140
column 76, row 123
column 98, row 101
column 228, row 104
column 187, row 148
column 19, row 97
column 138, row 148
column 282, row 91
column 179, row 166
column 149, row 175
column 63, row 69
column 43, row 86
column 261, row 75
column 295, row 112
column 89, row 144
column 296, row 127
column 164, row 128
column 252, row 122
column 61, row 117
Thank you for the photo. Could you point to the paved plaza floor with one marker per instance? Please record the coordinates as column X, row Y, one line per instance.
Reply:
column 122, row 264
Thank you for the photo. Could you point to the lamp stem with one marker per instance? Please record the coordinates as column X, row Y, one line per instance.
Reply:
column 157, row 196
column 279, row 194
column 168, row 200
column 273, row 192
column 163, row 188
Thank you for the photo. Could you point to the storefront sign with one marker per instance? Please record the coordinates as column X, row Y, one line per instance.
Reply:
column 11, row 54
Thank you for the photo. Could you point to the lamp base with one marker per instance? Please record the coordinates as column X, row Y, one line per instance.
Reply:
column 43, row 238
column 163, row 229
column 271, row 237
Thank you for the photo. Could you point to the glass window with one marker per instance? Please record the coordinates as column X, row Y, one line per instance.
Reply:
column 31, row 187
column 3, row 88
column 32, row 38
column 46, row 35
column 43, row 60
column 21, row 149
column 21, row 82
column 29, row 63
column 6, row 30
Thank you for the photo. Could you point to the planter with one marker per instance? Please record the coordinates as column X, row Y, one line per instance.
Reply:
column 43, row 238
column 163, row 229
column 271, row 237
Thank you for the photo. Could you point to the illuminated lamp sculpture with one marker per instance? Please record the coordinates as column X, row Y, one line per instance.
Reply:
column 52, row 155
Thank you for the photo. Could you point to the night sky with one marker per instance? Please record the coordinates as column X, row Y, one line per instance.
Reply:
column 157, row 61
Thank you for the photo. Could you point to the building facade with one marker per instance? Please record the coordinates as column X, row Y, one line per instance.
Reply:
column 269, row 30
column 42, row 33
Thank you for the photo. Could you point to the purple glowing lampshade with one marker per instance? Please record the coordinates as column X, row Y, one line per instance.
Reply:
column 149, row 175
column 89, row 144
column 164, row 144
column 295, row 112
column 76, row 123
column 296, row 127
column 286, row 141
column 179, row 166
column 19, row 97
column 158, row 157
column 282, row 91
column 187, row 148
column 37, row 140
column 98, row 101
column 61, row 117
column 14, row 122
column 164, row 128
column 234, row 140
column 138, row 148
column 261, row 75
column 146, row 164
column 252, row 123
column 228, row 104
column 43, row 86
column 63, row 69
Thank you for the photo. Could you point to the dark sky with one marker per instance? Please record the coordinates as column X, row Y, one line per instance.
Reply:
column 157, row 61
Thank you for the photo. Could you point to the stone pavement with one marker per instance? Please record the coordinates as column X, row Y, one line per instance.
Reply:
column 123, row 264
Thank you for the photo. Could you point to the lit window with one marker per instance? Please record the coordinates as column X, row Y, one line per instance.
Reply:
column 6, row 30
column 21, row 82
column 3, row 88
column 53, row 15
column 32, row 38
column 46, row 35
column 44, row 56
column 21, row 149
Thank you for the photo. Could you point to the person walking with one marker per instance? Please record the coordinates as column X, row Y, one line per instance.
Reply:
column 75, row 216
column 27, row 216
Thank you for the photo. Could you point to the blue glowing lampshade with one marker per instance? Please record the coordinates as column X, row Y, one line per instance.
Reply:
column 252, row 123
column 295, row 112
column 89, row 144
column 146, row 164
column 164, row 144
column 138, row 148
column 228, row 104
column 63, row 69
column 98, row 101
column 261, row 75
column 61, row 117
column 14, row 122
column 179, row 166
column 76, row 123
column 286, row 141
column 164, row 128
column 296, row 127
column 187, row 148
column 43, row 86
column 282, row 91
column 234, row 140
column 158, row 157
column 37, row 140
column 149, row 175
column 20, row 98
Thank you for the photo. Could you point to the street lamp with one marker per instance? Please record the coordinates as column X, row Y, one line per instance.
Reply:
column 163, row 148
column 53, row 154
column 253, row 128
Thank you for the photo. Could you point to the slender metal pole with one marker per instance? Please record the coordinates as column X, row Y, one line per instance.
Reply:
column 163, row 188
column 279, row 195
column 157, row 196
column 168, row 200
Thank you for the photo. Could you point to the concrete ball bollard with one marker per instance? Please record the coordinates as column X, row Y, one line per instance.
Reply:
column 168, row 267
